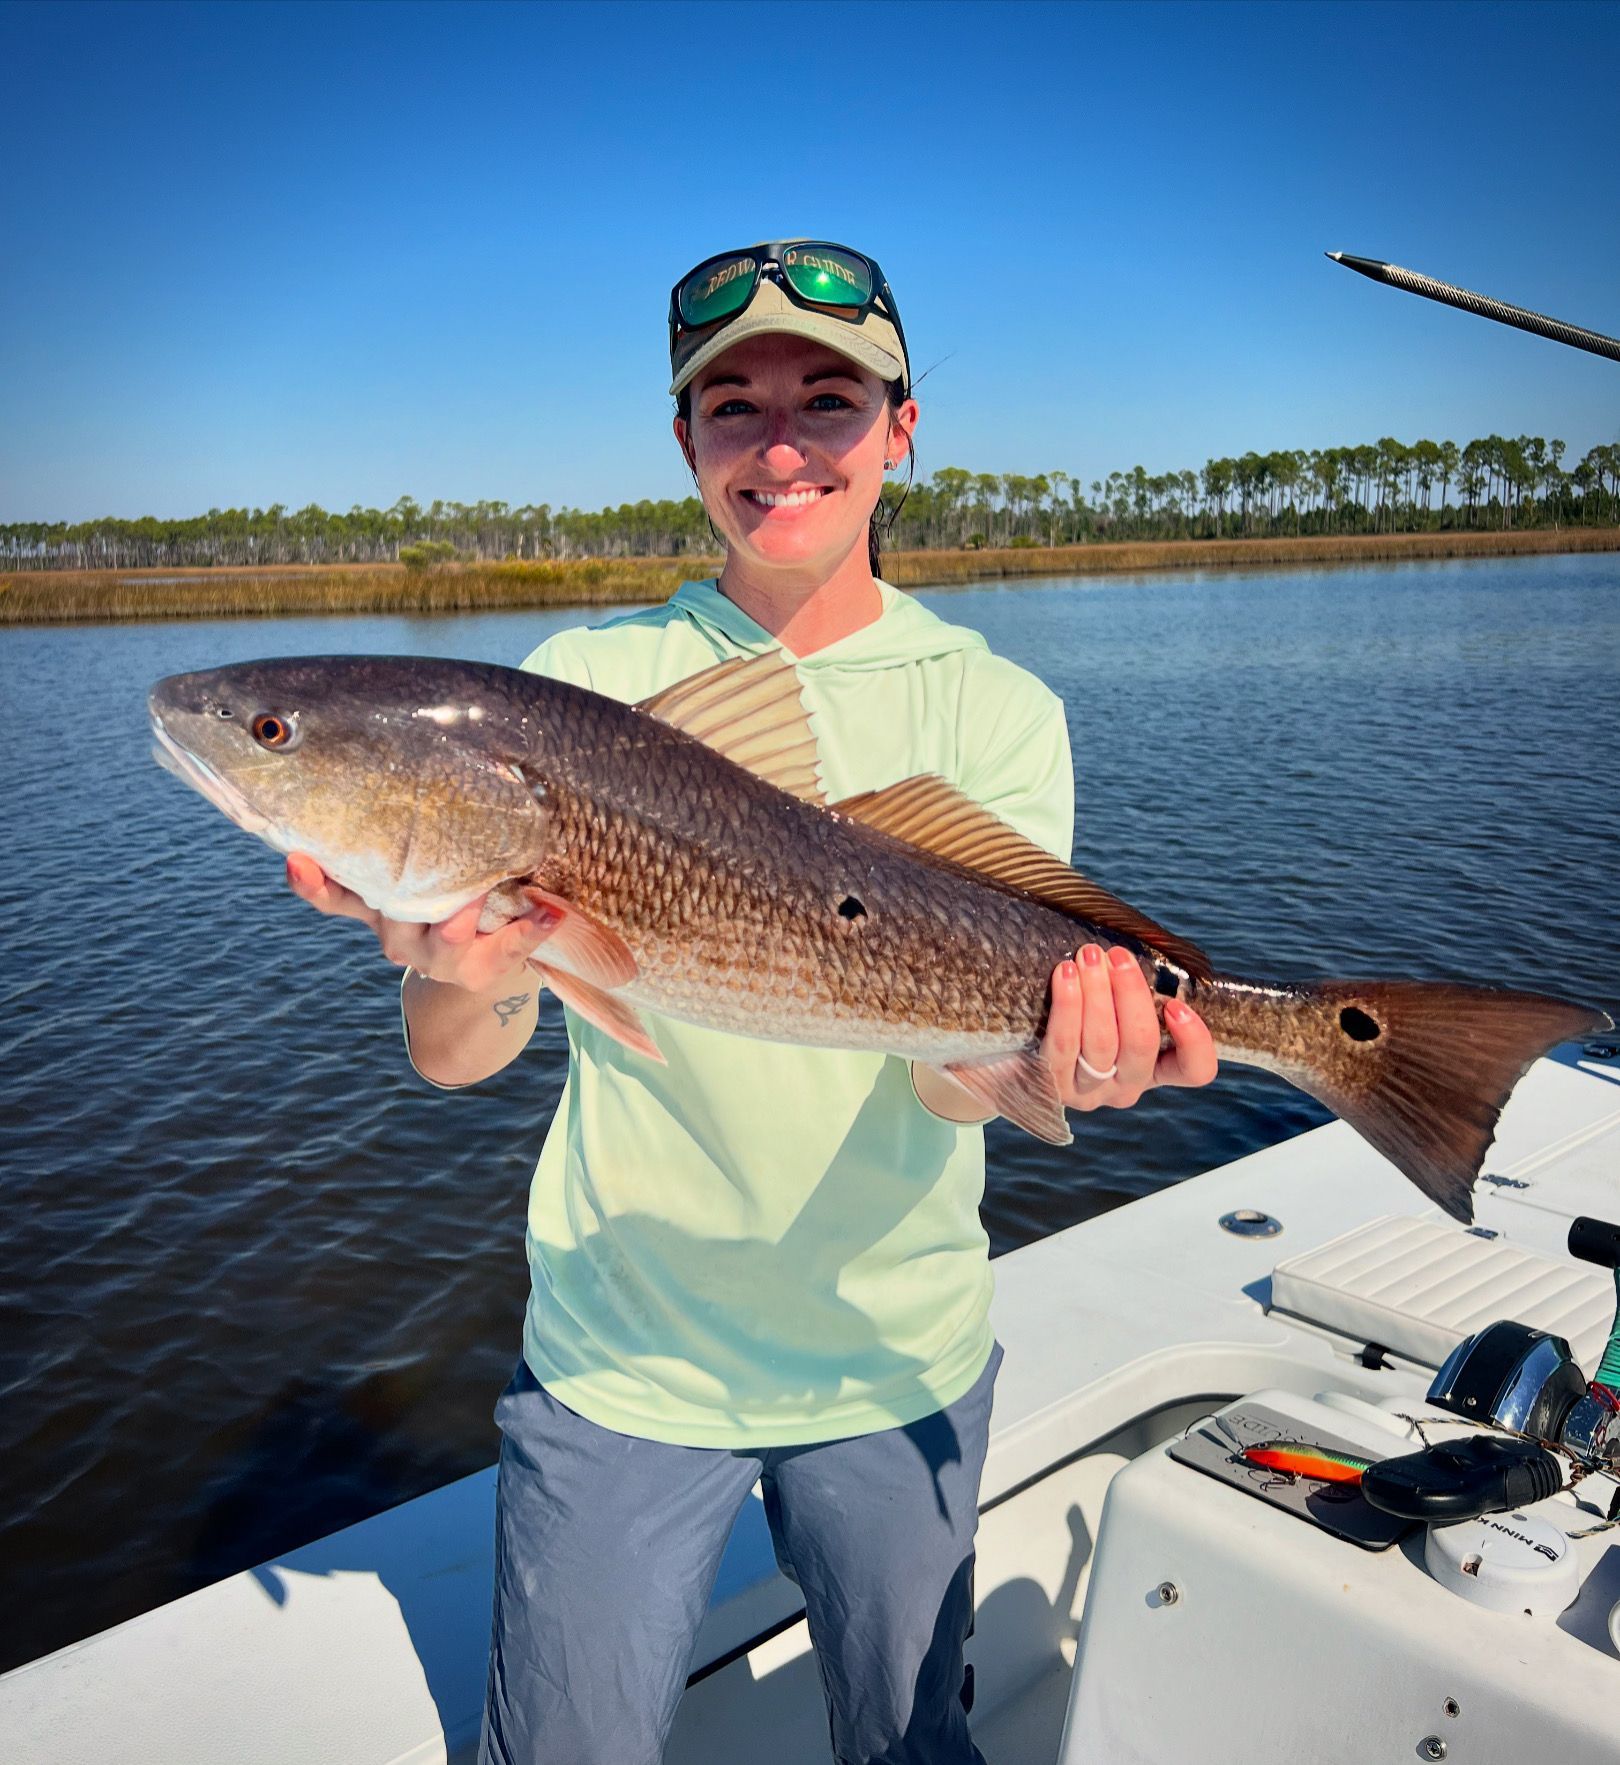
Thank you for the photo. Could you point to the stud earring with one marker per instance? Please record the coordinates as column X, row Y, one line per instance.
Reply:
column 889, row 465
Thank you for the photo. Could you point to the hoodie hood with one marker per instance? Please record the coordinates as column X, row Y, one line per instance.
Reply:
column 903, row 632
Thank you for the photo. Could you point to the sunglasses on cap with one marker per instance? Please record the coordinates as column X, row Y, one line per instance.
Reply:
column 812, row 273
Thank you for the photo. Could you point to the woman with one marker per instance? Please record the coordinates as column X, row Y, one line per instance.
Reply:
column 761, row 1262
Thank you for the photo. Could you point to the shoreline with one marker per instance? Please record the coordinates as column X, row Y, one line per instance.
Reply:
column 937, row 568
column 39, row 597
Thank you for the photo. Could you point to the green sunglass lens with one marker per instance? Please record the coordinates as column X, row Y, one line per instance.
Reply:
column 827, row 276
column 717, row 290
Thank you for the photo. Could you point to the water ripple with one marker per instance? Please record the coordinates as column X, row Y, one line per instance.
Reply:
column 260, row 1282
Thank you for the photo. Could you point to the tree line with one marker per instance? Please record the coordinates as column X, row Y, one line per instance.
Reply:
column 1387, row 486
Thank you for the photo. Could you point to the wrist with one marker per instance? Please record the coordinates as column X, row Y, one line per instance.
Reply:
column 522, row 979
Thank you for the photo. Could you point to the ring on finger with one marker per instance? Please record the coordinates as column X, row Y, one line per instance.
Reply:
column 1091, row 1072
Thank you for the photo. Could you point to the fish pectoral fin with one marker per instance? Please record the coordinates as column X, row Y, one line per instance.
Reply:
column 749, row 709
column 1022, row 1088
column 613, row 1017
column 934, row 816
column 582, row 945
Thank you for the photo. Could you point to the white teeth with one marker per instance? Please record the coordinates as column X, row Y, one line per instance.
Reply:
column 769, row 500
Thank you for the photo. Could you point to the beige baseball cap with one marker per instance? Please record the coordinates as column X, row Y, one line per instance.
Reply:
column 867, row 338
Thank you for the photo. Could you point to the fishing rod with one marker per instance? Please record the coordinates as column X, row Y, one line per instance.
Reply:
column 1393, row 276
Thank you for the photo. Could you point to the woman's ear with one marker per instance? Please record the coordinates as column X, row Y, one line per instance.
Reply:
column 683, row 437
column 902, row 426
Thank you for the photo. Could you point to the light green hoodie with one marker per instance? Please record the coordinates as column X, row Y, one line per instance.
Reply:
column 764, row 1245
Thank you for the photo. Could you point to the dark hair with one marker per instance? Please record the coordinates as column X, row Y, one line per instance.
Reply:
column 895, row 395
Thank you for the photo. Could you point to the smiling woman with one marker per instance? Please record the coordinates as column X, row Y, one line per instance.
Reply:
column 730, row 323
column 757, row 1260
column 788, row 442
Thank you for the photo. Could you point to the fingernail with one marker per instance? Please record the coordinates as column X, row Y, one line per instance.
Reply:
column 1068, row 970
column 1120, row 957
column 1176, row 1011
column 1091, row 955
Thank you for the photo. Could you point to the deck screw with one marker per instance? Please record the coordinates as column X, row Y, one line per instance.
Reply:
column 1168, row 1593
column 1432, row 1747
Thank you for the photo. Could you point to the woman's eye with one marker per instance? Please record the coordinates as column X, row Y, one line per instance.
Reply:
column 823, row 401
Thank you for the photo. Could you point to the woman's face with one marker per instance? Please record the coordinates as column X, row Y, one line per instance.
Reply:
column 788, row 439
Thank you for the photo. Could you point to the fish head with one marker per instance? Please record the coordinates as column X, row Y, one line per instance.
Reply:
column 404, row 778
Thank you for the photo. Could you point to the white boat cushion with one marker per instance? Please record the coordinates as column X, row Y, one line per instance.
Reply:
column 1417, row 1287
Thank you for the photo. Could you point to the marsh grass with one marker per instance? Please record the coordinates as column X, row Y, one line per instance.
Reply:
column 32, row 597
column 40, row 597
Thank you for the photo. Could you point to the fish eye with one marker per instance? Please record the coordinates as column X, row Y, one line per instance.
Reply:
column 275, row 732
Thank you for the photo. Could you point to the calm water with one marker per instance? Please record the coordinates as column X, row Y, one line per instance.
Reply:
column 257, row 1283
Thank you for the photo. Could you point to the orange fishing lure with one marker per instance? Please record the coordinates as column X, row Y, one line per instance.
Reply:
column 1300, row 1460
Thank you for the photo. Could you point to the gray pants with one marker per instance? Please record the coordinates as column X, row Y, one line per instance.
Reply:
column 606, row 1548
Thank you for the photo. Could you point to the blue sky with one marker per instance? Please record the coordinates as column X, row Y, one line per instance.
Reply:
column 339, row 253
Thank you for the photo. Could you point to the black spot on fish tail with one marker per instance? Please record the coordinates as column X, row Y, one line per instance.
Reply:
column 1358, row 1026
column 1166, row 981
column 850, row 908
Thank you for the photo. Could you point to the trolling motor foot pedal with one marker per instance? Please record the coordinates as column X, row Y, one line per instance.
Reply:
column 1463, row 1479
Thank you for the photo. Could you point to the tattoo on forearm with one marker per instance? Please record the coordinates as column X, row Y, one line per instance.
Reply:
column 507, row 1009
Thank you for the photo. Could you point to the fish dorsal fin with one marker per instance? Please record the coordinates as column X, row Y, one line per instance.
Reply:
column 925, row 811
column 749, row 709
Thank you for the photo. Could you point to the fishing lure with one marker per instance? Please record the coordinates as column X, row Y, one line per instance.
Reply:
column 1297, row 1458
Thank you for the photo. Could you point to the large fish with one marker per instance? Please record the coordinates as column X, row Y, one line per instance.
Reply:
column 700, row 874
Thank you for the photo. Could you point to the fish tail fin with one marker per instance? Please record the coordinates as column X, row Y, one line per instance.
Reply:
column 1420, row 1069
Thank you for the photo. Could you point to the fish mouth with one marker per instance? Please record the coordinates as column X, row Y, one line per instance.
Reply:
column 197, row 773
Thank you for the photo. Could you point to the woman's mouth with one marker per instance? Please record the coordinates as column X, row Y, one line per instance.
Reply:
column 787, row 499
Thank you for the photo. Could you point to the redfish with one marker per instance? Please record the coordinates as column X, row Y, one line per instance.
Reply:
column 698, row 873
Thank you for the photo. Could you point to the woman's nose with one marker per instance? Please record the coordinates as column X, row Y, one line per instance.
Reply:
column 782, row 450
column 783, row 456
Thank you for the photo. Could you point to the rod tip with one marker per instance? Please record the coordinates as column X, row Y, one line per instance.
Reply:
column 1368, row 266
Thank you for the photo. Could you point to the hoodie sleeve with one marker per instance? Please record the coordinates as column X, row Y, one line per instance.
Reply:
column 1014, row 744
column 559, row 658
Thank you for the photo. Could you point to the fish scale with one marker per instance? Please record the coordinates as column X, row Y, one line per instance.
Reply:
column 742, row 931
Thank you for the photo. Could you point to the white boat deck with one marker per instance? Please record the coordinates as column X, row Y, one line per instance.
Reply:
column 368, row 1647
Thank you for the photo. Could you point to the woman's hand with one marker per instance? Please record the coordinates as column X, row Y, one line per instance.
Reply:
column 1103, row 1013
column 453, row 952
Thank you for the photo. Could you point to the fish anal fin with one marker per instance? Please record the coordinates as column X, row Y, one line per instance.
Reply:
column 613, row 1017
column 926, row 812
column 583, row 945
column 749, row 709
column 1021, row 1087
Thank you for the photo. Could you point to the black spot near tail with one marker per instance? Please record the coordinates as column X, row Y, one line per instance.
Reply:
column 1358, row 1026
